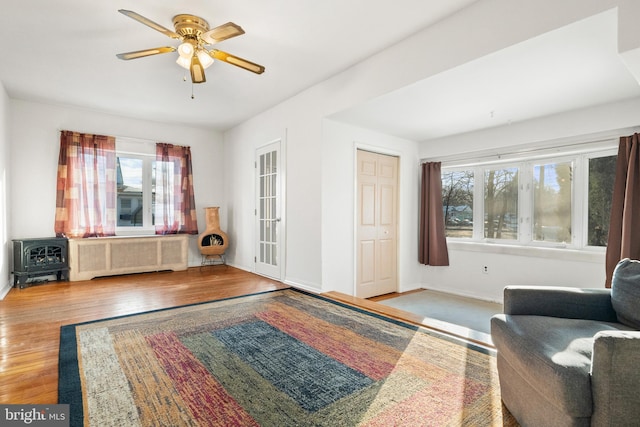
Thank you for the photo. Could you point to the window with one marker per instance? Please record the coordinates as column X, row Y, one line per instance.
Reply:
column 501, row 203
column 602, row 172
column 457, row 202
column 135, row 194
column 551, row 200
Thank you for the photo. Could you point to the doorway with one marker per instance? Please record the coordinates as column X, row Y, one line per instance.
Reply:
column 376, row 224
column 269, row 241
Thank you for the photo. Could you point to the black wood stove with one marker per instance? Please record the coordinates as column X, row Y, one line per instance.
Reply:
column 39, row 257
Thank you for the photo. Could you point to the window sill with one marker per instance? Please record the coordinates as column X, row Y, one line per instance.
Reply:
column 135, row 231
column 563, row 254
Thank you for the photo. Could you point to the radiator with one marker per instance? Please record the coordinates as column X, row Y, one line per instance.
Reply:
column 109, row 256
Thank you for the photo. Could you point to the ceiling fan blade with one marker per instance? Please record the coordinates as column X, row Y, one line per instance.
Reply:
column 150, row 23
column 238, row 62
column 197, row 70
column 146, row 52
column 222, row 32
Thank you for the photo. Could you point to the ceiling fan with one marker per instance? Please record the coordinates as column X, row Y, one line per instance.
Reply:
column 195, row 35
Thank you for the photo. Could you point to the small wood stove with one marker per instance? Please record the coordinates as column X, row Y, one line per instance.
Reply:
column 39, row 257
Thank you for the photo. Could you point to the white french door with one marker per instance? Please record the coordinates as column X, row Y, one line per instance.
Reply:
column 269, row 259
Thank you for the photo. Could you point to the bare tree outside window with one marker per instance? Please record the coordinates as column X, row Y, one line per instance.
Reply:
column 501, row 204
column 601, row 180
column 552, row 200
column 562, row 201
column 457, row 203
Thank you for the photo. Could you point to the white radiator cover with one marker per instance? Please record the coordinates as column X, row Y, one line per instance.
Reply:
column 109, row 256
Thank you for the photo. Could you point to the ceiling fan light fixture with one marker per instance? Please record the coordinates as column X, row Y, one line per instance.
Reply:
column 194, row 33
column 205, row 59
column 185, row 50
column 184, row 62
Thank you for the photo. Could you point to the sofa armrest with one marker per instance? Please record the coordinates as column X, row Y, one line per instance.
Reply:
column 615, row 378
column 572, row 303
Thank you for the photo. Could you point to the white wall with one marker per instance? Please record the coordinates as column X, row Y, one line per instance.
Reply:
column 319, row 166
column 302, row 216
column 340, row 142
column 320, row 154
column 5, row 239
column 35, row 142
column 515, row 266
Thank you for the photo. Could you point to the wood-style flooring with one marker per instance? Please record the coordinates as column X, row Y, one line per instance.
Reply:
column 30, row 318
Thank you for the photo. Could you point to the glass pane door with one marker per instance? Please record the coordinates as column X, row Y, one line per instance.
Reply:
column 268, row 211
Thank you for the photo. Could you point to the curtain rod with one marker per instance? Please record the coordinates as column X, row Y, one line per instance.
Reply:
column 134, row 138
column 483, row 156
column 551, row 147
column 129, row 138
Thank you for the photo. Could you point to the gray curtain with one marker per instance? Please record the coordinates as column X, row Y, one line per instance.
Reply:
column 433, row 243
column 624, row 227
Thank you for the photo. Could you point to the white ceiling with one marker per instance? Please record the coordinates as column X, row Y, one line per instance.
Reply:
column 573, row 67
column 63, row 52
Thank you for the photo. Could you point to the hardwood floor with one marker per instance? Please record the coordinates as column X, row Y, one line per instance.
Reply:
column 30, row 318
column 392, row 295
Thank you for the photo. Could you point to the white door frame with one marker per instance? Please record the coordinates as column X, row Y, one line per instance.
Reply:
column 278, row 271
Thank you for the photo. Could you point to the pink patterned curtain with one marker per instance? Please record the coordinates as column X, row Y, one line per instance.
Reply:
column 175, row 207
column 433, row 242
column 85, row 199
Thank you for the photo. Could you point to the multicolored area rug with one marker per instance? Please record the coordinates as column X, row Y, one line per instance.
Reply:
column 282, row 358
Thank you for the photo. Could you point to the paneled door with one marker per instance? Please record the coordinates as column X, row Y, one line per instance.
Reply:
column 377, row 212
column 268, row 217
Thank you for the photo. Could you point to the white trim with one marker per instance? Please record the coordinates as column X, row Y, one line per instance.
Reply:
column 552, row 148
column 5, row 290
column 304, row 287
column 564, row 254
column 136, row 146
column 282, row 206
column 578, row 155
column 147, row 228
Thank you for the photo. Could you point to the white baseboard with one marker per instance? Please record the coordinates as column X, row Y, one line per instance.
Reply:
column 307, row 288
column 241, row 267
column 5, row 289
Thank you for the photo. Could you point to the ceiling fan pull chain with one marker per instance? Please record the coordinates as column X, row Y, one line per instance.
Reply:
column 192, row 96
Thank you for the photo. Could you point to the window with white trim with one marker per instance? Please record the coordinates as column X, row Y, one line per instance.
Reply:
column 135, row 182
column 543, row 199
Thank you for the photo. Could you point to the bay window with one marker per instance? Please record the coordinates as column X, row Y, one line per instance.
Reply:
column 547, row 200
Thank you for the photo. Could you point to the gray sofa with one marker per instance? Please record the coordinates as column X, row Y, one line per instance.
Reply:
column 570, row 356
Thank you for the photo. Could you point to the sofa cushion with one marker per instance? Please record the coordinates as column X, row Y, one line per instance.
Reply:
column 552, row 355
column 625, row 292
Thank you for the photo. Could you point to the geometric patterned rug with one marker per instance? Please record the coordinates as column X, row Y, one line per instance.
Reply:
column 279, row 358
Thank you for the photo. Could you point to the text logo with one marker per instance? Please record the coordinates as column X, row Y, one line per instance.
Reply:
column 34, row 415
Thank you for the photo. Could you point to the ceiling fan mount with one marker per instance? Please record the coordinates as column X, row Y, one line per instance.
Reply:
column 190, row 25
column 196, row 35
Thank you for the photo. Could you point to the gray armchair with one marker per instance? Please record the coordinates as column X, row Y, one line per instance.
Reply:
column 570, row 356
